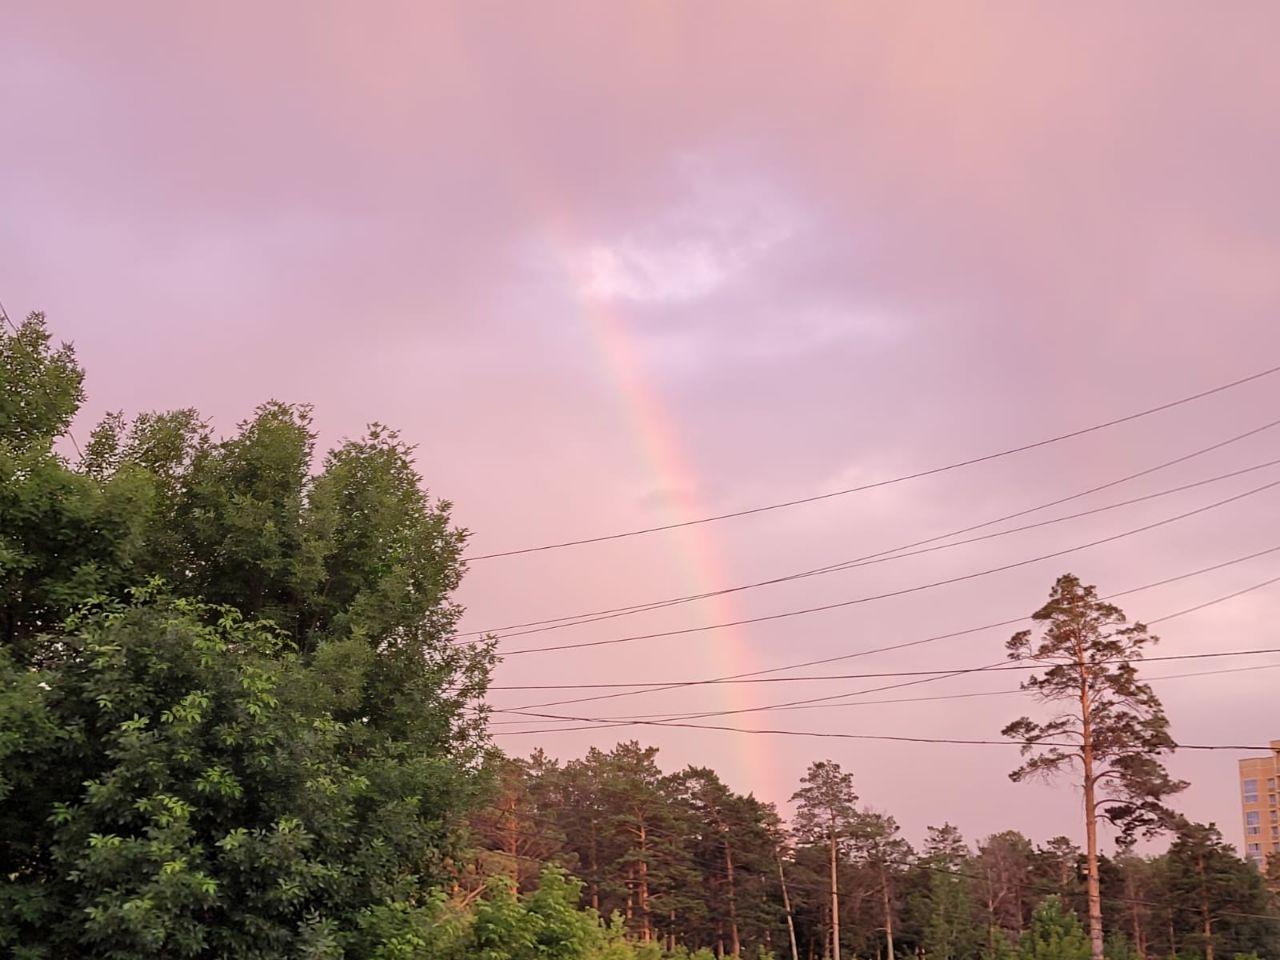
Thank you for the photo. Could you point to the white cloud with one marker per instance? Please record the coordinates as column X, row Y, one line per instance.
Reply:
column 680, row 271
column 688, row 252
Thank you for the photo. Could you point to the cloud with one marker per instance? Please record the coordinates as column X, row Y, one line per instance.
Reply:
column 667, row 272
column 691, row 251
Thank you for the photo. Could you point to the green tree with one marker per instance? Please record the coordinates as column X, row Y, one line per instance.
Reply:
column 355, row 549
column 878, row 847
column 1110, row 723
column 1005, row 862
column 246, row 777
column 1054, row 934
column 826, row 814
column 1220, row 900
column 43, row 386
column 947, row 905
column 63, row 535
column 191, row 790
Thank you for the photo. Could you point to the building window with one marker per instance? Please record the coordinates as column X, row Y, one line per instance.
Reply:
column 1251, row 791
column 1254, row 852
column 1253, row 823
column 1271, row 783
column 1275, row 816
column 1272, row 799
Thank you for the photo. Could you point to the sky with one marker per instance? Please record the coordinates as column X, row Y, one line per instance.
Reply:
column 613, row 266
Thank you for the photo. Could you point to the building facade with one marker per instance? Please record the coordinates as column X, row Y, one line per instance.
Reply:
column 1258, row 800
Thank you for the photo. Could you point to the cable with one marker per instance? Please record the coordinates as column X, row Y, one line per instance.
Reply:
column 865, row 676
column 920, row 699
column 614, row 612
column 1012, row 621
column 828, row 734
column 1000, row 666
column 893, row 593
column 992, row 666
column 883, row 483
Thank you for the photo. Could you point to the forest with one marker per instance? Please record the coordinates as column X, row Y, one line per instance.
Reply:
column 236, row 721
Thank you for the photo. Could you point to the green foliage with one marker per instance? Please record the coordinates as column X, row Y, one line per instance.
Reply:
column 356, row 550
column 1086, row 637
column 43, row 387
column 188, row 791
column 826, row 804
column 269, row 754
column 999, row 947
column 1208, row 883
column 546, row 924
column 1055, row 934
column 1118, row 947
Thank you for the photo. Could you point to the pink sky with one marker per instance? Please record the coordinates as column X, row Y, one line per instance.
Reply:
column 614, row 266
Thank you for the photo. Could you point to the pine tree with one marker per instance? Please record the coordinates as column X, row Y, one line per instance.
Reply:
column 878, row 847
column 948, row 931
column 1054, row 934
column 826, row 815
column 1005, row 861
column 1110, row 723
column 1217, row 895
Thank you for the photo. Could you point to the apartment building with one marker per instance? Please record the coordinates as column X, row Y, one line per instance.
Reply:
column 1258, row 801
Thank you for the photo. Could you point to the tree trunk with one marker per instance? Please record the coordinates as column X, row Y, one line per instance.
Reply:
column 735, row 945
column 646, row 929
column 1206, row 917
column 595, row 874
column 888, row 912
column 1090, row 811
column 1139, row 937
column 835, row 901
column 991, row 916
column 786, row 905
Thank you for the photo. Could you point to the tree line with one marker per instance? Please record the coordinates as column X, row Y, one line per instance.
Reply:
column 684, row 860
column 234, row 723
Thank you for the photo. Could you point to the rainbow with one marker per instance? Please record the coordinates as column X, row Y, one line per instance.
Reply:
column 659, row 447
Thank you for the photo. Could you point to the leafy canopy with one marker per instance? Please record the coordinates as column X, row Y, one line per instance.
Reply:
column 232, row 720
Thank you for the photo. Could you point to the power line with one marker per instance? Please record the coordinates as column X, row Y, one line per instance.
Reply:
column 928, row 679
column 1000, row 666
column 865, row 676
column 883, row 483
column 892, row 593
column 829, row 734
column 1012, row 621
column 553, row 623
column 898, row 700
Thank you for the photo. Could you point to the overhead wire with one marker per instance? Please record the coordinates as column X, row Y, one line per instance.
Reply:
column 820, row 608
column 999, row 666
column 898, row 700
column 834, row 697
column 1008, row 622
column 596, row 616
column 971, row 461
